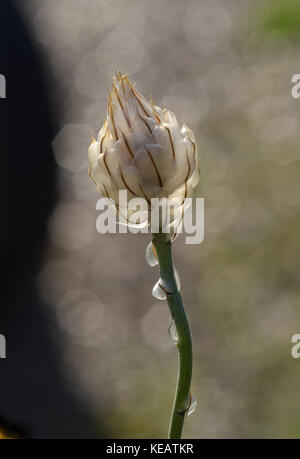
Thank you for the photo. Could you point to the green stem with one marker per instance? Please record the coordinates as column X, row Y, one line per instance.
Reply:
column 185, row 355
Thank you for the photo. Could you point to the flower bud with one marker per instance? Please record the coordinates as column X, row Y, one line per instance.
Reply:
column 142, row 149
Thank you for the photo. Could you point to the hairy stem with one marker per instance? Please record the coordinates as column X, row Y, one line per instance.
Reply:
column 182, row 398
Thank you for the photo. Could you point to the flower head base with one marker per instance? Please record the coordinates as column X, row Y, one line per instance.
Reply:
column 141, row 149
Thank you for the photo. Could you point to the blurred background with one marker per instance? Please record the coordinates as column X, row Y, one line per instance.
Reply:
column 88, row 346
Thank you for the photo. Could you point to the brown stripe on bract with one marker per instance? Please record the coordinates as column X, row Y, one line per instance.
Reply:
column 153, row 110
column 111, row 199
column 122, row 83
column 155, row 167
column 138, row 99
column 92, row 178
column 198, row 167
column 106, row 192
column 189, row 170
column 122, row 106
column 112, row 117
column 103, row 137
column 145, row 196
column 117, row 94
column 144, row 121
column 124, row 181
column 193, row 143
column 105, row 163
column 194, row 153
column 127, row 145
column 166, row 113
column 185, row 185
column 171, row 141
column 156, row 115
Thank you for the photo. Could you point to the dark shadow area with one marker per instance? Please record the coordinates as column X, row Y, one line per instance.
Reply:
column 33, row 396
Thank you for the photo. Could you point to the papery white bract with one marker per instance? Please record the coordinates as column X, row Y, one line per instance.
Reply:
column 141, row 149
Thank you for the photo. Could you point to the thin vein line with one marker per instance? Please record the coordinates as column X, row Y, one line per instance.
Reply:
column 105, row 163
column 145, row 196
column 103, row 137
column 144, row 121
column 113, row 122
column 140, row 103
column 171, row 141
column 155, row 167
column 111, row 199
column 106, row 192
column 156, row 115
column 92, row 178
column 123, row 85
column 127, row 145
column 193, row 143
column 125, row 183
column 122, row 107
column 189, row 170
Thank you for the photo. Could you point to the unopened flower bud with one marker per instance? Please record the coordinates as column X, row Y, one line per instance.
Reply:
column 142, row 149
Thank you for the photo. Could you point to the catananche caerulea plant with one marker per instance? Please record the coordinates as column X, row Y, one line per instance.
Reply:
column 142, row 149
